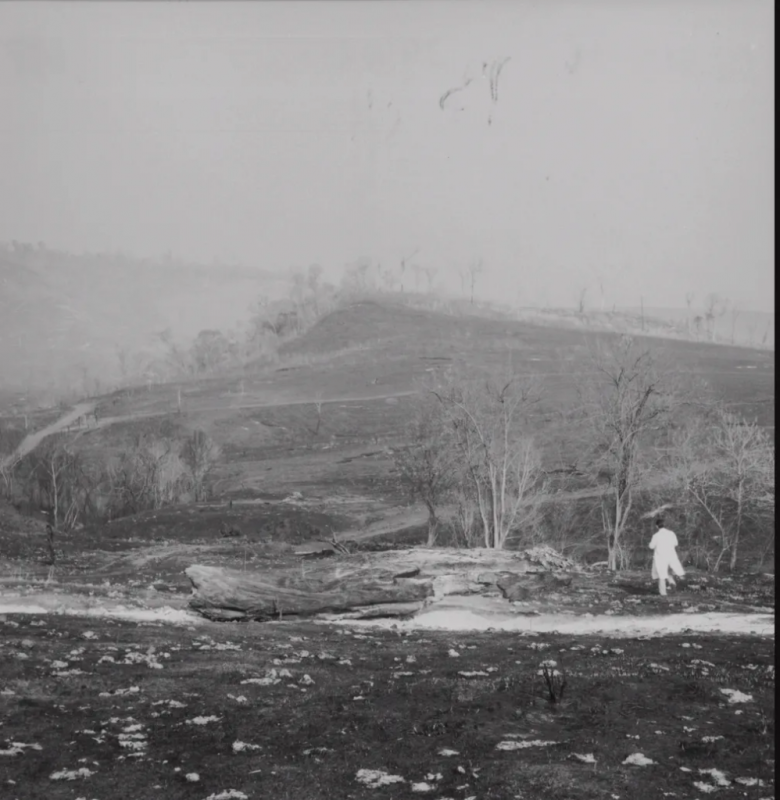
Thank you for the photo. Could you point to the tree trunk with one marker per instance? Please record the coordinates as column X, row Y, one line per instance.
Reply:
column 613, row 533
column 433, row 527
column 223, row 594
column 738, row 526
column 55, row 498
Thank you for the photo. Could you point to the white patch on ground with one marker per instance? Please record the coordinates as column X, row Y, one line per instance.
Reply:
column 375, row 778
column 17, row 748
column 79, row 606
column 454, row 614
column 735, row 696
column 71, row 774
column 240, row 747
column 716, row 776
column 459, row 617
column 585, row 758
column 638, row 760
column 515, row 745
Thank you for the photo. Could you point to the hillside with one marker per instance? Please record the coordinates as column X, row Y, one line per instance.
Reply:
column 364, row 362
column 292, row 470
column 394, row 345
column 64, row 318
column 747, row 328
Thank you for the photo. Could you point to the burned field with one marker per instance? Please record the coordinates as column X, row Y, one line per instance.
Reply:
column 118, row 709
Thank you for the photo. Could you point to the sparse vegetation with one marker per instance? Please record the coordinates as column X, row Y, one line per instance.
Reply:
column 426, row 463
column 199, row 453
column 726, row 468
column 498, row 466
column 57, row 480
column 628, row 405
column 148, row 474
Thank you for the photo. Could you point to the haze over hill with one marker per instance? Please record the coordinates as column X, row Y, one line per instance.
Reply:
column 73, row 326
column 734, row 325
column 65, row 319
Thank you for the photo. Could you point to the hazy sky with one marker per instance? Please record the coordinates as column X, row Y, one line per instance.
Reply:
column 630, row 143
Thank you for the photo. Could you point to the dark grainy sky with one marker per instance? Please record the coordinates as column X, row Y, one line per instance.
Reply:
column 627, row 147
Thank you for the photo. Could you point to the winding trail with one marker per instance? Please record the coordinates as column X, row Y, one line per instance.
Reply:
column 32, row 440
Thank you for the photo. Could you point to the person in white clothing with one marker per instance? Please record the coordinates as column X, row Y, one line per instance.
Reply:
column 664, row 546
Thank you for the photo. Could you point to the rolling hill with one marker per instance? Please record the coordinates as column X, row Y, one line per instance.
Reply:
column 287, row 462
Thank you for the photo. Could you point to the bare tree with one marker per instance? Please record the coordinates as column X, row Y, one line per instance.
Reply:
column 417, row 270
column 765, row 337
column 583, row 290
column 602, row 297
column 628, row 398
column 475, row 268
column 148, row 474
column 714, row 308
column 501, row 466
column 389, row 278
column 56, row 480
column 463, row 274
column 7, row 475
column 689, row 298
column 357, row 276
column 426, row 464
column 199, row 453
column 10, row 439
column 209, row 351
column 727, row 466
column 751, row 333
column 175, row 359
column 318, row 408
column 405, row 262
column 734, row 316
column 124, row 366
column 430, row 274
column 314, row 285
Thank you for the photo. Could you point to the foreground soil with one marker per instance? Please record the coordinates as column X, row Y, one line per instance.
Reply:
column 110, row 710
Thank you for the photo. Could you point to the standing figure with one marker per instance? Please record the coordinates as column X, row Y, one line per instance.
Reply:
column 664, row 547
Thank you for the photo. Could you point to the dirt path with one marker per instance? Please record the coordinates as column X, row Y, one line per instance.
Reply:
column 30, row 442
column 104, row 422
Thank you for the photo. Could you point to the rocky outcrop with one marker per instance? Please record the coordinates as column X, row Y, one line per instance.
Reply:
column 389, row 583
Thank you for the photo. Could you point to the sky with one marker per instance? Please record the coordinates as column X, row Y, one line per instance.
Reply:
column 626, row 149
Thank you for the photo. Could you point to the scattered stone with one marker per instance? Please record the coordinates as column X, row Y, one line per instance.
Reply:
column 638, row 760
column 375, row 778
